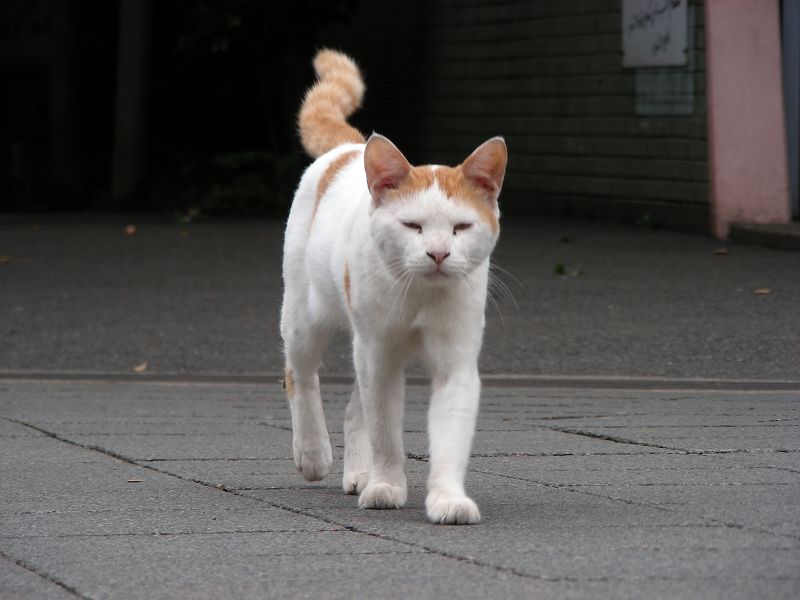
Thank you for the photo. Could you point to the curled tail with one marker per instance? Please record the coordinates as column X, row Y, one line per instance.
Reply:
column 323, row 115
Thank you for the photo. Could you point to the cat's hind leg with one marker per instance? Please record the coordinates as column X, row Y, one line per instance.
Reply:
column 356, row 447
column 304, row 344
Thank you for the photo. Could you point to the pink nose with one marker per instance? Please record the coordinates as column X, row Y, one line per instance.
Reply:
column 439, row 256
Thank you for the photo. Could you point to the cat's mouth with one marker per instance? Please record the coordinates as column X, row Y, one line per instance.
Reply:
column 436, row 275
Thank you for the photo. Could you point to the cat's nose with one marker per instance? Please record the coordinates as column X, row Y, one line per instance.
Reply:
column 438, row 256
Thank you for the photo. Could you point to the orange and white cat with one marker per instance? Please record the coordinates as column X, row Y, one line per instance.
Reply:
column 399, row 256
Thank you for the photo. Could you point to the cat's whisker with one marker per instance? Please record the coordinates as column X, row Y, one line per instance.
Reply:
column 401, row 284
column 392, row 271
column 500, row 286
column 501, row 292
column 463, row 280
column 495, row 267
column 496, row 306
column 407, row 286
column 397, row 284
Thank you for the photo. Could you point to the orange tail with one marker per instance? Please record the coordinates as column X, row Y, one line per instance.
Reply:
column 323, row 115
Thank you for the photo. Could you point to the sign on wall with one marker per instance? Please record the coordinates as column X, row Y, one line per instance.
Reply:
column 654, row 33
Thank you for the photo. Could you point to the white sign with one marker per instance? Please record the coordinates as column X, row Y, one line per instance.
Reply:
column 654, row 33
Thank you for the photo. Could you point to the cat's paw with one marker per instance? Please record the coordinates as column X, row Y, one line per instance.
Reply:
column 382, row 495
column 355, row 482
column 447, row 510
column 314, row 464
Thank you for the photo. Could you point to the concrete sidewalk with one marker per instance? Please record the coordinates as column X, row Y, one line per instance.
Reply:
column 186, row 490
column 639, row 435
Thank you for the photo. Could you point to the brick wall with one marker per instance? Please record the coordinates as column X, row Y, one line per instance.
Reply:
column 443, row 75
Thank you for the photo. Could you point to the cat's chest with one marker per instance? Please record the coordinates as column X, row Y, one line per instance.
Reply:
column 409, row 311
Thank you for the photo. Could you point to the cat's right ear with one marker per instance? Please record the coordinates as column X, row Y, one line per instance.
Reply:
column 385, row 165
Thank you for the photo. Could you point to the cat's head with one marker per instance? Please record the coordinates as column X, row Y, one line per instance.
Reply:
column 436, row 222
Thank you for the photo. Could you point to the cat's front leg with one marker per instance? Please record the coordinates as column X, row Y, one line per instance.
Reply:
column 381, row 382
column 451, row 424
column 356, row 447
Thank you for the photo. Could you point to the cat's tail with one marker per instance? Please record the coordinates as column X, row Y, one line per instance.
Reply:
column 336, row 95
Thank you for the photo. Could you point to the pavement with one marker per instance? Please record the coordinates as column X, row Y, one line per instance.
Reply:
column 639, row 434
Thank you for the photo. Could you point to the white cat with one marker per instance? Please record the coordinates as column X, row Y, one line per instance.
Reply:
column 399, row 256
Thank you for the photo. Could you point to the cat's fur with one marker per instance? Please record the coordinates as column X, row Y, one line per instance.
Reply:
column 399, row 256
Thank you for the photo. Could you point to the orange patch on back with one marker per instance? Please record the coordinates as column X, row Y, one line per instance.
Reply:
column 347, row 285
column 458, row 188
column 288, row 383
column 329, row 175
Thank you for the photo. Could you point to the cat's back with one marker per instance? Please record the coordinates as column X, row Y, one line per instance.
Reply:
column 330, row 193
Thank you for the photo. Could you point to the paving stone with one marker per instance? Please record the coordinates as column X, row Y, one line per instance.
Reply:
column 503, row 503
column 159, row 426
column 648, row 469
column 751, row 437
column 20, row 452
column 272, row 443
column 50, row 476
column 768, row 507
column 574, row 552
column 224, row 517
column 331, row 565
column 565, row 515
column 708, row 588
column 238, row 473
column 263, row 474
column 15, row 430
column 19, row 583
column 536, row 441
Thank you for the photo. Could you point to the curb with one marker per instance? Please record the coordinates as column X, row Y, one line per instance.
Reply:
column 785, row 236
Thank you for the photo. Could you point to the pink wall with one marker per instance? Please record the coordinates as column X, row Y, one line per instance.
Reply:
column 747, row 140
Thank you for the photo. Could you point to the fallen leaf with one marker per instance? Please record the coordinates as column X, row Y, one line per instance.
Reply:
column 140, row 368
column 761, row 292
column 35, row 227
column 560, row 269
column 183, row 233
column 721, row 252
column 5, row 258
column 130, row 230
column 135, row 480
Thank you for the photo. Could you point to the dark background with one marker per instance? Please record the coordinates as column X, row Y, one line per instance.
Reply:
column 184, row 106
column 188, row 107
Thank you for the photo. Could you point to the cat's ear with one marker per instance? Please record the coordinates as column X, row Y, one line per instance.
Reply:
column 385, row 165
column 486, row 166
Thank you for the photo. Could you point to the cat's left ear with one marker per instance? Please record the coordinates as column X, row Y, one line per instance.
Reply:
column 486, row 166
column 385, row 165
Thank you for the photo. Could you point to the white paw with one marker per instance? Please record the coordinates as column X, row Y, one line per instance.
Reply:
column 314, row 463
column 382, row 495
column 355, row 482
column 447, row 510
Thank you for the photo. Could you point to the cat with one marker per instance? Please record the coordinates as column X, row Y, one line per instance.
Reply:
column 399, row 256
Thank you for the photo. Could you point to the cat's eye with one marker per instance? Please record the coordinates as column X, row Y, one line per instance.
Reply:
column 412, row 225
column 461, row 227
